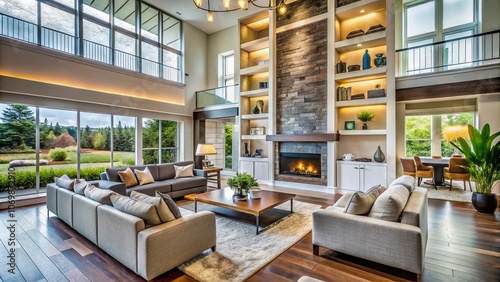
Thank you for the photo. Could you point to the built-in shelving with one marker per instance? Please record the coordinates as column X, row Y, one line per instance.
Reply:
column 366, row 41
column 361, row 75
column 255, row 69
column 255, row 93
column 254, row 159
column 363, row 132
column 257, row 44
column 253, row 137
column 255, row 116
column 363, row 102
column 353, row 10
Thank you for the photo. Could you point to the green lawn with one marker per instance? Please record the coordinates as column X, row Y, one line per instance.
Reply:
column 86, row 157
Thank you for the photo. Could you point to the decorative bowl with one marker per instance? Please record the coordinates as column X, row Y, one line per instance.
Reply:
column 354, row 68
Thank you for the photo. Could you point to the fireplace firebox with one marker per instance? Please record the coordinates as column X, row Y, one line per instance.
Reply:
column 300, row 164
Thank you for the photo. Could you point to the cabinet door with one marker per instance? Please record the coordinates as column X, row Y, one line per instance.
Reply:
column 246, row 166
column 348, row 177
column 261, row 170
column 374, row 175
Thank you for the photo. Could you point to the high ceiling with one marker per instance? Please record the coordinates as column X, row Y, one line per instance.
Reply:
column 187, row 11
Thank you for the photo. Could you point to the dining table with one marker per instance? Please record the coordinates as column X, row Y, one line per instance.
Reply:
column 438, row 164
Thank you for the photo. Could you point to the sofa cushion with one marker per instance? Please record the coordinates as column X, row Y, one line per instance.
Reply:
column 161, row 207
column 128, row 177
column 170, row 203
column 186, row 182
column 390, row 203
column 361, row 203
column 143, row 210
column 65, row 182
column 407, row 181
column 80, row 185
column 184, row 171
column 166, row 171
column 99, row 195
column 149, row 189
column 153, row 169
column 144, row 176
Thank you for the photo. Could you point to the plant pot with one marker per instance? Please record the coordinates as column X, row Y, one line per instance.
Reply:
column 239, row 194
column 365, row 126
column 485, row 203
column 255, row 193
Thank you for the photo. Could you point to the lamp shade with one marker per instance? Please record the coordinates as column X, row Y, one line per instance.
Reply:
column 205, row 149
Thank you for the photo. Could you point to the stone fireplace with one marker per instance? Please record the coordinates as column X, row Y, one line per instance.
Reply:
column 301, row 162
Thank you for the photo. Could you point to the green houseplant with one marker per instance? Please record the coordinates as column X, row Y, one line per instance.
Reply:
column 241, row 184
column 365, row 116
column 483, row 157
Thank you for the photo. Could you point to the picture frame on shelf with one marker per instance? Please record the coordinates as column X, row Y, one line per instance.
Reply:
column 257, row 130
column 350, row 125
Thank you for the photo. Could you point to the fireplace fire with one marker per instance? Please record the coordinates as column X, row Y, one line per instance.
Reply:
column 306, row 165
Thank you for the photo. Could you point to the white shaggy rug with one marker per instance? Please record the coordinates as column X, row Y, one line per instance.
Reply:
column 240, row 253
column 457, row 193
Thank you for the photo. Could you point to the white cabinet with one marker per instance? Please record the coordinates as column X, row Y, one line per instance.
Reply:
column 259, row 169
column 360, row 176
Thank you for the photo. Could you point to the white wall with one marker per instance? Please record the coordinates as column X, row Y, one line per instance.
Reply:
column 220, row 42
column 488, row 111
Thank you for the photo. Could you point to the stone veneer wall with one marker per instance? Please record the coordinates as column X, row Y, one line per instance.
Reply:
column 301, row 10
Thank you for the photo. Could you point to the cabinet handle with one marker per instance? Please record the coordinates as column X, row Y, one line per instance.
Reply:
column 356, row 168
column 361, row 168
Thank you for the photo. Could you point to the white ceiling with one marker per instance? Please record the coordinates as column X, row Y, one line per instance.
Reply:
column 188, row 12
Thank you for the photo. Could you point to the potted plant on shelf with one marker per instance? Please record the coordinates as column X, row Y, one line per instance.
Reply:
column 241, row 184
column 484, row 165
column 365, row 116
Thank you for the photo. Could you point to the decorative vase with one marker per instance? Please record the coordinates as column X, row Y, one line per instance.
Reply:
column 260, row 105
column 247, row 152
column 379, row 156
column 341, row 67
column 366, row 60
column 380, row 60
column 485, row 203
column 365, row 126
column 256, row 110
column 239, row 194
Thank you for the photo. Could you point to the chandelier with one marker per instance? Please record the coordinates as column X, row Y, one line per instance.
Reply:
column 280, row 5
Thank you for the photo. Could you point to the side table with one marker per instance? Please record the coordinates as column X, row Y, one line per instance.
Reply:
column 213, row 175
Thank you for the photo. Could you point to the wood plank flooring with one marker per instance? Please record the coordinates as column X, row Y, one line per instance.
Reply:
column 463, row 245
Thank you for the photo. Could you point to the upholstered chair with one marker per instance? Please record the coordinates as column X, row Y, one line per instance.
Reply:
column 408, row 166
column 456, row 170
column 423, row 171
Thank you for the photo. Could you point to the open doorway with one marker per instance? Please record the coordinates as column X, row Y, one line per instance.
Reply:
column 221, row 133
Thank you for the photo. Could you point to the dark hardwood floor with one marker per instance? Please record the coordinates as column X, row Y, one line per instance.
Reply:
column 463, row 245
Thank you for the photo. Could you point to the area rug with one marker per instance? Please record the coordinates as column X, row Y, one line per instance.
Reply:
column 457, row 193
column 240, row 252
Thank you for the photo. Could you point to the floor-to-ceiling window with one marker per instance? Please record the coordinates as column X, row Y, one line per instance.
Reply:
column 95, row 144
column 160, row 141
column 123, row 141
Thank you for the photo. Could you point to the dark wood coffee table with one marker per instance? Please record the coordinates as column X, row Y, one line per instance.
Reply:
column 256, row 207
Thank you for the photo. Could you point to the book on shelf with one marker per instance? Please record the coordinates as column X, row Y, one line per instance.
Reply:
column 344, row 93
column 377, row 93
column 358, row 96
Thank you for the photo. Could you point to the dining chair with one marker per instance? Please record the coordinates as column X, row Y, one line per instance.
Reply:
column 456, row 170
column 408, row 166
column 423, row 171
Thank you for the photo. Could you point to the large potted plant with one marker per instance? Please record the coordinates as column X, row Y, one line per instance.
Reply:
column 241, row 184
column 483, row 157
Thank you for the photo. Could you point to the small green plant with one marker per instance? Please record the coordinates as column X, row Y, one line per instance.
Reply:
column 365, row 116
column 242, row 181
column 58, row 154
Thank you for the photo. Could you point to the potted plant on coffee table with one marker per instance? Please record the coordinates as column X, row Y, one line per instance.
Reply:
column 241, row 184
column 483, row 157
column 365, row 116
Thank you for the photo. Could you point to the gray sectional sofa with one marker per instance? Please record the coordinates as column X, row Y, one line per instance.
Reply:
column 149, row 252
column 163, row 175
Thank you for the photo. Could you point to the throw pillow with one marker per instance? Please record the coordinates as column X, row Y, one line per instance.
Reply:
column 128, row 177
column 65, row 182
column 389, row 205
column 361, row 203
column 80, row 185
column 99, row 195
column 405, row 180
column 170, row 203
column 183, row 171
column 144, row 176
column 143, row 210
column 161, row 207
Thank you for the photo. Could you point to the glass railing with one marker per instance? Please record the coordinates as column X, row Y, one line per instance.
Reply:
column 463, row 52
column 62, row 42
column 217, row 96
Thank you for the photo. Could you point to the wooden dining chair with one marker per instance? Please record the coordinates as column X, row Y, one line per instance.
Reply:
column 408, row 166
column 423, row 171
column 456, row 170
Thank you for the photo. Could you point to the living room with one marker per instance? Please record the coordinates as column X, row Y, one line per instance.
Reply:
column 148, row 104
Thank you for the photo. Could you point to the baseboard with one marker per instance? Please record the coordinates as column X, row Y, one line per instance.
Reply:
column 24, row 200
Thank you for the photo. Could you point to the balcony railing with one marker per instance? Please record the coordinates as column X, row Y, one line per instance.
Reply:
column 59, row 41
column 464, row 52
column 217, row 96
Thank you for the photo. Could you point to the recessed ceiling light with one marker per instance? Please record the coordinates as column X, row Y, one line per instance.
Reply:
column 362, row 11
column 359, row 45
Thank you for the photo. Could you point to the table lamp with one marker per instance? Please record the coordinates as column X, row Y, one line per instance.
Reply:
column 205, row 150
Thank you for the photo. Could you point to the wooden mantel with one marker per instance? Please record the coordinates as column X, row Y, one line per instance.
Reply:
column 318, row 137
